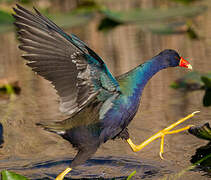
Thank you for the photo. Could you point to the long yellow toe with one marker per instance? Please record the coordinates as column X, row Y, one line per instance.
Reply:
column 62, row 174
column 161, row 135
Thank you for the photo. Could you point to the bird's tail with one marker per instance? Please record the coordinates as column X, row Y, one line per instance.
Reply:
column 55, row 127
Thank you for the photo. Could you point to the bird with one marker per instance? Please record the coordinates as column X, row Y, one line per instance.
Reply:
column 99, row 105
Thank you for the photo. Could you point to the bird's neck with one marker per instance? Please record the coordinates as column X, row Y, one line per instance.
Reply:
column 145, row 72
column 133, row 82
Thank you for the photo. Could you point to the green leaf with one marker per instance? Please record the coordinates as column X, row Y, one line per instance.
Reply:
column 191, row 33
column 146, row 16
column 202, row 158
column 107, row 24
column 64, row 20
column 202, row 132
column 8, row 175
column 6, row 21
column 88, row 6
column 207, row 98
column 70, row 19
column 5, row 18
column 157, row 20
column 131, row 175
column 195, row 81
column 184, row 1
column 191, row 81
column 206, row 80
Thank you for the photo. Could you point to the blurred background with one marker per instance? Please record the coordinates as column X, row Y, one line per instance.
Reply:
column 125, row 33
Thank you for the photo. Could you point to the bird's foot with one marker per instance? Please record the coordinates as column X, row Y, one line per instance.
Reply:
column 161, row 135
column 62, row 174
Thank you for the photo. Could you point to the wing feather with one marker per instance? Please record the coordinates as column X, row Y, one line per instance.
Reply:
column 77, row 73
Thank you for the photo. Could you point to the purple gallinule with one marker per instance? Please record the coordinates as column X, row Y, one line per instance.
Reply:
column 100, row 106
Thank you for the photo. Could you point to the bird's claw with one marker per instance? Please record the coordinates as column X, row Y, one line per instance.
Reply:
column 161, row 135
column 195, row 112
column 161, row 155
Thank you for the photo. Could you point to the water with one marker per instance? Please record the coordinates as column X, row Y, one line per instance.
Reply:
column 38, row 154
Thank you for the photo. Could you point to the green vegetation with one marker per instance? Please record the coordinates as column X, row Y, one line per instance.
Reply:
column 184, row 1
column 8, row 175
column 202, row 159
column 202, row 132
column 131, row 175
column 155, row 20
column 9, row 89
column 6, row 21
column 195, row 81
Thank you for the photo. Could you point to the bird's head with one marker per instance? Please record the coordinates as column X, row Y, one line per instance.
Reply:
column 172, row 59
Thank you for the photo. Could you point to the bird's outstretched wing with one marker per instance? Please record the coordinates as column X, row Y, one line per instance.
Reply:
column 77, row 73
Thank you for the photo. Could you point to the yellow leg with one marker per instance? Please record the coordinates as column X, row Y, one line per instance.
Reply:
column 179, row 130
column 61, row 175
column 161, row 135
